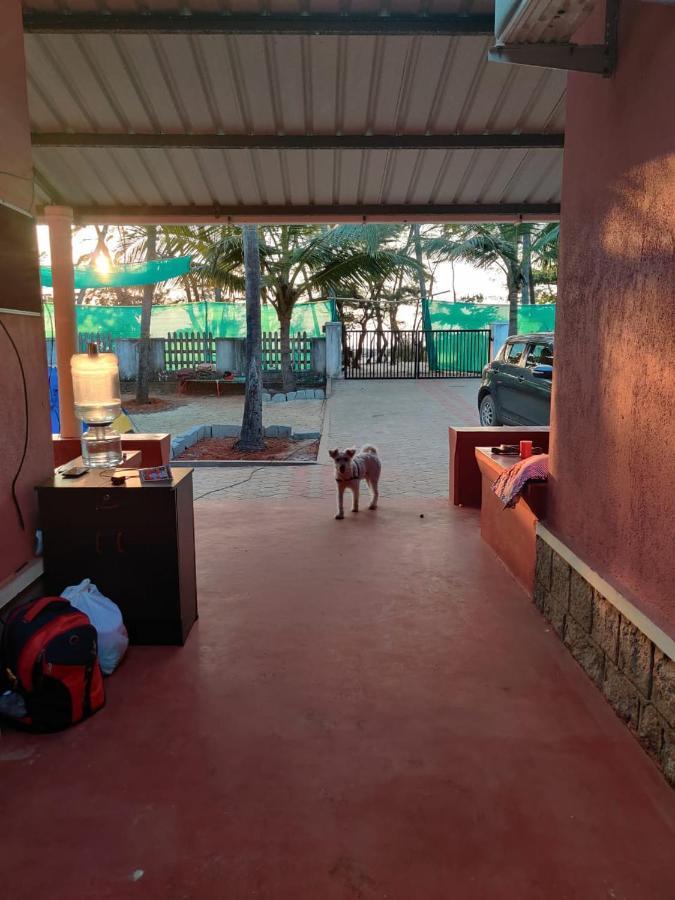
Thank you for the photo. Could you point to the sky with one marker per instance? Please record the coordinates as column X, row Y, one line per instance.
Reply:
column 468, row 280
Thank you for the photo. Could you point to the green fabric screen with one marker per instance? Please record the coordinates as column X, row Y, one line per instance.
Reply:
column 221, row 319
column 133, row 275
column 444, row 314
column 472, row 353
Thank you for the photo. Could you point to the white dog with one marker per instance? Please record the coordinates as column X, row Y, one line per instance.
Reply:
column 350, row 468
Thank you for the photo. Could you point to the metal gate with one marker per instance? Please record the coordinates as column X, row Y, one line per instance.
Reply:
column 416, row 354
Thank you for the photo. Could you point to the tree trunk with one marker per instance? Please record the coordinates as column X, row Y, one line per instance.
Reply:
column 218, row 293
column 252, row 435
column 362, row 339
column 526, row 267
column 382, row 342
column 287, row 376
column 144, row 345
column 395, row 332
column 514, row 290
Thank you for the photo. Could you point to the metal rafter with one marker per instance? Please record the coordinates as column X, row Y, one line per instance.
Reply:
column 424, row 212
column 299, row 142
column 240, row 23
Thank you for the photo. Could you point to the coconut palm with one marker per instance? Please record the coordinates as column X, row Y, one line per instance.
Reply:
column 299, row 262
column 144, row 346
column 252, row 435
column 493, row 244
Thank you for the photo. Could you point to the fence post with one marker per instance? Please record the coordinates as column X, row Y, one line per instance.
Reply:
column 318, row 355
column 126, row 350
column 230, row 355
column 334, row 349
column 499, row 331
column 157, row 357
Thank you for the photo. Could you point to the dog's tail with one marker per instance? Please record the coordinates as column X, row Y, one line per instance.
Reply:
column 369, row 449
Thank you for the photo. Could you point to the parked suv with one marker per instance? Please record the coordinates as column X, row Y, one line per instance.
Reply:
column 516, row 385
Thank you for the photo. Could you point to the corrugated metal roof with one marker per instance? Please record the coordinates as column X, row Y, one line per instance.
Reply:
column 287, row 85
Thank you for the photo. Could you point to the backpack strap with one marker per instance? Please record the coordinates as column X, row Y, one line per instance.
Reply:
column 35, row 608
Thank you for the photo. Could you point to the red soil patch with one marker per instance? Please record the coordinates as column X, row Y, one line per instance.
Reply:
column 277, row 448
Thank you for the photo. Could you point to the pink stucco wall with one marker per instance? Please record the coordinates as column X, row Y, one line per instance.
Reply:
column 19, row 290
column 613, row 423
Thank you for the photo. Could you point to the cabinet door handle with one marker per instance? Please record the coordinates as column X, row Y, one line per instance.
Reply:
column 119, row 541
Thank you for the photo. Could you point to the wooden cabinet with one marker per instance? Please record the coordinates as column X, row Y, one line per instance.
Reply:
column 135, row 542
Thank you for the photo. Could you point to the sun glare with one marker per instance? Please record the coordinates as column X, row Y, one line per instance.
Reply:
column 102, row 263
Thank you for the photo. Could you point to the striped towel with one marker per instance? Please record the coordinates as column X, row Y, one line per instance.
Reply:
column 511, row 482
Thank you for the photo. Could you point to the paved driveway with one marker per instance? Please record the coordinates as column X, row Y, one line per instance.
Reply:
column 406, row 420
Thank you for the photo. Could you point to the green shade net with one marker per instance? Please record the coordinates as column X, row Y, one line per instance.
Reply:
column 223, row 320
column 470, row 355
column 444, row 315
column 228, row 320
column 134, row 275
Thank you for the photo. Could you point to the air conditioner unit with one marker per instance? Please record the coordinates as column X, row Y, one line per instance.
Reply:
column 539, row 21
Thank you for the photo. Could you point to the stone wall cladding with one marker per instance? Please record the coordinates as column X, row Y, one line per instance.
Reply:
column 635, row 677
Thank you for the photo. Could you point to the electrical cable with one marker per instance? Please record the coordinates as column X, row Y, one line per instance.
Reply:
column 25, row 436
column 228, row 486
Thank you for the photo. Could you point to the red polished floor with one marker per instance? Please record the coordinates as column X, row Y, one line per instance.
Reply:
column 366, row 709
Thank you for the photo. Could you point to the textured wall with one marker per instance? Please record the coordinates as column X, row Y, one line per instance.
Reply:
column 613, row 424
column 19, row 289
column 16, row 547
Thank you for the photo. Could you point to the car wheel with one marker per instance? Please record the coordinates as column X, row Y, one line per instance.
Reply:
column 487, row 411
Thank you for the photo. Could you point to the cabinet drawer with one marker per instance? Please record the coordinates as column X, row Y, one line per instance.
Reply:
column 88, row 508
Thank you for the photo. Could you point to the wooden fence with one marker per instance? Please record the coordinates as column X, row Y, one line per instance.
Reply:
column 188, row 350
column 301, row 352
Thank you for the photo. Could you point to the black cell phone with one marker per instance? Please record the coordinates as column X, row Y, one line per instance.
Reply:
column 75, row 472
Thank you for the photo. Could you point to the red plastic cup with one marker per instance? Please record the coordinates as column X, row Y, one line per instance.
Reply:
column 525, row 449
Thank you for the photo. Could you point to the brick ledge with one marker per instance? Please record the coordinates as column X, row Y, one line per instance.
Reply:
column 627, row 609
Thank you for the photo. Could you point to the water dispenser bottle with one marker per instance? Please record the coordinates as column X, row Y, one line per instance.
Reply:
column 96, row 391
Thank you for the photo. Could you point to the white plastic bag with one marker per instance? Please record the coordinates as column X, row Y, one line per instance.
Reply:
column 106, row 618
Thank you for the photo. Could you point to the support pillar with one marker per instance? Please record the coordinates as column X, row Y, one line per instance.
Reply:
column 60, row 220
column 334, row 349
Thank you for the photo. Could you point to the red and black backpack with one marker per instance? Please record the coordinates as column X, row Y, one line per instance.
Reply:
column 50, row 657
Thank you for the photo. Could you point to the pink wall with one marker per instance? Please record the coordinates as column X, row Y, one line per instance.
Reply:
column 613, row 423
column 19, row 289
column 16, row 546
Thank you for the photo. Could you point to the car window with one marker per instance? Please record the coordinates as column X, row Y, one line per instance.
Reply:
column 514, row 352
column 539, row 355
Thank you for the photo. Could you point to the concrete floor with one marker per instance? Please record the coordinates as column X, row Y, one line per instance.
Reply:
column 406, row 420
column 359, row 713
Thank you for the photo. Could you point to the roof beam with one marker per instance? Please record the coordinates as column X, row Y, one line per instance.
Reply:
column 299, row 142
column 239, row 23
column 423, row 212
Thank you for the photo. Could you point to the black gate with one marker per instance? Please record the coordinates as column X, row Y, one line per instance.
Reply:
column 416, row 354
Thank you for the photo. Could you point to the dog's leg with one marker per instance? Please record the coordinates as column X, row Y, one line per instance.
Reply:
column 340, row 501
column 355, row 493
column 375, row 493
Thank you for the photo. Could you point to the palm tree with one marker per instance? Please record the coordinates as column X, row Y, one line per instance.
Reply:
column 299, row 261
column 252, row 435
column 144, row 346
column 494, row 245
column 545, row 250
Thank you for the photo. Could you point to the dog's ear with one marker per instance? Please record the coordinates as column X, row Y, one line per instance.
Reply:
column 333, row 453
column 350, row 452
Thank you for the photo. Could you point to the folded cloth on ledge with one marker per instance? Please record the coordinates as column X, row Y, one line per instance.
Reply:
column 511, row 482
